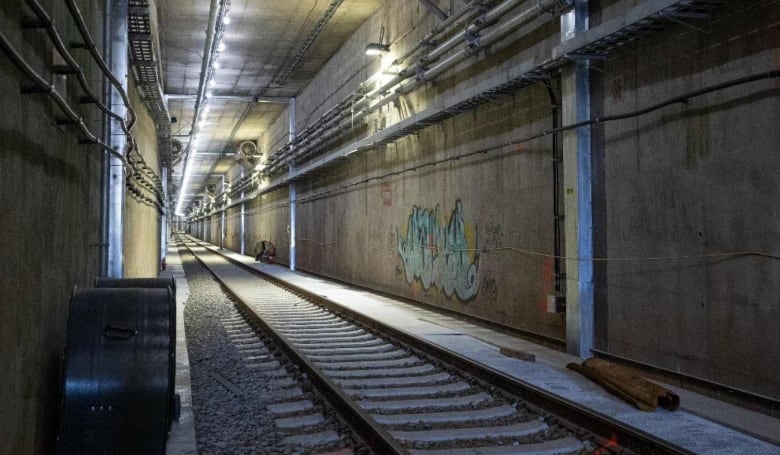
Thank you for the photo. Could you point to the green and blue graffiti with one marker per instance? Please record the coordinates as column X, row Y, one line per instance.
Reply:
column 439, row 256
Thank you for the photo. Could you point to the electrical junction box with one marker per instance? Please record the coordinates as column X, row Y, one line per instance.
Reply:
column 556, row 303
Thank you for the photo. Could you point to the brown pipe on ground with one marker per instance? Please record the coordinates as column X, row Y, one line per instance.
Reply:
column 627, row 385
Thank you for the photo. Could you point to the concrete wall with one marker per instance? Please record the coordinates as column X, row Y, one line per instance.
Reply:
column 215, row 230
column 268, row 220
column 233, row 229
column 693, row 180
column 471, row 235
column 471, row 209
column 380, row 234
column 142, row 221
column 50, row 199
column 50, row 217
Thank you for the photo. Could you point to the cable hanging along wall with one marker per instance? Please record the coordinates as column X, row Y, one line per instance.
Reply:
column 135, row 158
column 138, row 176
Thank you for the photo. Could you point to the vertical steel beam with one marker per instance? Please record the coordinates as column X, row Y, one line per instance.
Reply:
column 116, row 33
column 293, row 195
column 105, row 169
column 105, row 192
column 578, row 196
column 222, row 220
column 165, row 219
column 243, row 218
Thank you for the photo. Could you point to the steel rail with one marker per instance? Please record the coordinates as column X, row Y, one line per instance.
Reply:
column 601, row 425
column 371, row 432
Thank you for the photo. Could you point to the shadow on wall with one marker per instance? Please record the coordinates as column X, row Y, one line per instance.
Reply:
column 690, row 113
column 34, row 155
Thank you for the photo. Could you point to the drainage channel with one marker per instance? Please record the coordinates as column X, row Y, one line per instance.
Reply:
column 397, row 398
column 248, row 396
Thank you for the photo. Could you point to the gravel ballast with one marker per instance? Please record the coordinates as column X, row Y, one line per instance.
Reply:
column 240, row 383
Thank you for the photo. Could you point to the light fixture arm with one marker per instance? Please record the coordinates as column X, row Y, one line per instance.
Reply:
column 434, row 9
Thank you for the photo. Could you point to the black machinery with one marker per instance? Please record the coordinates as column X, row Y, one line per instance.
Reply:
column 119, row 368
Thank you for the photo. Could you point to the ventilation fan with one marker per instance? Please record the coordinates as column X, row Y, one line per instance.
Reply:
column 247, row 154
column 247, row 150
column 176, row 152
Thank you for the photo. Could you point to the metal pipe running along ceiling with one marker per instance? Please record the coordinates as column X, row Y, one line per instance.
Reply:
column 356, row 111
column 342, row 116
column 639, row 21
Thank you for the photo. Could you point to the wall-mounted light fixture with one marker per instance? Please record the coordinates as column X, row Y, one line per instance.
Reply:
column 378, row 48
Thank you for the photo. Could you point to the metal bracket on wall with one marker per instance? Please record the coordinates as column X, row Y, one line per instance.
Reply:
column 644, row 20
column 678, row 18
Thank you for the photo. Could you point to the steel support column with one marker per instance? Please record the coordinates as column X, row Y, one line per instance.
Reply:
column 293, row 195
column 164, row 220
column 222, row 219
column 114, row 178
column 243, row 218
column 578, row 193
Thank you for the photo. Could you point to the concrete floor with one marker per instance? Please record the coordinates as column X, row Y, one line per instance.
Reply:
column 181, row 440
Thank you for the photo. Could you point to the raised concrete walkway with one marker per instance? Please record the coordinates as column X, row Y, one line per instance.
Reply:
column 701, row 425
column 181, row 440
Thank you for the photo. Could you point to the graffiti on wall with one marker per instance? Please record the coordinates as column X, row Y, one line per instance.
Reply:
column 440, row 256
column 489, row 287
column 387, row 194
column 493, row 234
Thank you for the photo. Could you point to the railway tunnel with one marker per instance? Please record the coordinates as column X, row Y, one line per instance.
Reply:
column 492, row 190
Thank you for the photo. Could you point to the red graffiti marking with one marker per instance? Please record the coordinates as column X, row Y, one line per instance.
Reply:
column 546, row 287
column 387, row 194
column 617, row 88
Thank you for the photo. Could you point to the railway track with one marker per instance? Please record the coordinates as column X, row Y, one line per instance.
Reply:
column 250, row 397
column 401, row 399
column 294, row 411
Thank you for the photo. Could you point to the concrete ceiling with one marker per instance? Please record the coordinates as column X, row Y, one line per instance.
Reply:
column 262, row 40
